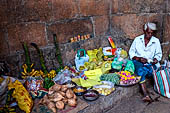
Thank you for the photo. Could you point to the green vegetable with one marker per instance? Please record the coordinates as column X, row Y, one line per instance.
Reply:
column 48, row 83
column 27, row 57
column 42, row 61
column 112, row 77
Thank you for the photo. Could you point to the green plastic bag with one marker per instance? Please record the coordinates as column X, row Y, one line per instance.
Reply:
column 130, row 67
column 116, row 64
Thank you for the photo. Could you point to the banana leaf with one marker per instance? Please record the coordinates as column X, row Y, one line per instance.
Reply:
column 42, row 61
column 58, row 54
column 27, row 57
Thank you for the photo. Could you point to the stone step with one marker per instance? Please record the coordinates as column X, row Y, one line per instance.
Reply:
column 104, row 103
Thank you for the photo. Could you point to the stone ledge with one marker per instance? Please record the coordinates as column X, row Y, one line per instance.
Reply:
column 104, row 103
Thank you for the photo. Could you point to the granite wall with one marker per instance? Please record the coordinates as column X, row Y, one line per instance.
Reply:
column 37, row 20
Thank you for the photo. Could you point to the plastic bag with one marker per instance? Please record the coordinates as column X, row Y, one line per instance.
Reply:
column 109, row 51
column 92, row 54
column 63, row 77
column 106, row 66
column 93, row 74
column 34, row 83
column 117, row 63
column 123, row 54
column 130, row 67
column 99, row 54
column 79, row 61
column 3, row 91
column 89, row 82
column 22, row 96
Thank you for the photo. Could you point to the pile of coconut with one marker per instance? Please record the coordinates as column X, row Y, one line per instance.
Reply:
column 59, row 96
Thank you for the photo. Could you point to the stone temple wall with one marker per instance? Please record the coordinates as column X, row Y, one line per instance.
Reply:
column 37, row 20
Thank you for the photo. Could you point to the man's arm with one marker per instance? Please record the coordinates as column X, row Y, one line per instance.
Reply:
column 158, row 52
column 132, row 50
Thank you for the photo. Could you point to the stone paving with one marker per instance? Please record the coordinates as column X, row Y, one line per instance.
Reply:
column 134, row 104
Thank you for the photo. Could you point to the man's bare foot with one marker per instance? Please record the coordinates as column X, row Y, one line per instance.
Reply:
column 147, row 99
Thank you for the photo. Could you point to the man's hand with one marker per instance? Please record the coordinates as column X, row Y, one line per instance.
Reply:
column 143, row 60
column 155, row 61
column 140, row 59
column 136, row 58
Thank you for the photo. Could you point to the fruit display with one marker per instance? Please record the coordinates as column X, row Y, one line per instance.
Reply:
column 104, row 91
column 127, row 79
column 105, row 88
column 112, row 77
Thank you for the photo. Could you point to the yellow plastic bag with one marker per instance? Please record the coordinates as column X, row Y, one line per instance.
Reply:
column 100, row 54
column 92, row 54
column 89, row 82
column 106, row 66
column 123, row 54
column 93, row 74
column 77, row 81
column 22, row 96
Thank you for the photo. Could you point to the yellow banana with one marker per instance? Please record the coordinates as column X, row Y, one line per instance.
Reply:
column 25, row 65
column 41, row 72
column 34, row 73
column 23, row 73
column 32, row 65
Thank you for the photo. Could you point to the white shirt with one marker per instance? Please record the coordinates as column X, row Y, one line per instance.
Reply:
column 151, row 51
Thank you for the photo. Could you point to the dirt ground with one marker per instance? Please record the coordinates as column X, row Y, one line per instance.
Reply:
column 136, row 105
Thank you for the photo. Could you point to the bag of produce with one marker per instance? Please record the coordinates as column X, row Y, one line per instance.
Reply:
column 92, row 54
column 93, row 74
column 89, row 82
column 130, row 67
column 80, row 60
column 106, row 66
column 117, row 63
column 22, row 96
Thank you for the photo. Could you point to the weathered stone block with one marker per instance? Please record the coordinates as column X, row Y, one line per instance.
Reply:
column 101, row 25
column 40, row 10
column 138, row 6
column 94, row 7
column 131, row 25
column 166, row 29
column 29, row 10
column 3, row 43
column 67, row 30
column 88, row 44
column 64, row 9
column 166, row 51
column 13, row 61
column 3, row 12
column 29, row 32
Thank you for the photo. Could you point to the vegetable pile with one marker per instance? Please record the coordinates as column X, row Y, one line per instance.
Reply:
column 112, row 77
column 58, row 96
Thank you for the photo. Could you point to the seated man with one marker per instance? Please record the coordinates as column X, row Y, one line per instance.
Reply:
column 145, row 52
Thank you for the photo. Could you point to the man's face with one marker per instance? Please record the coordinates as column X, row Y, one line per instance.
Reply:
column 149, row 33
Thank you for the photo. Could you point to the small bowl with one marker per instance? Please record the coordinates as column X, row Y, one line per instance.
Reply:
column 79, row 90
column 91, row 95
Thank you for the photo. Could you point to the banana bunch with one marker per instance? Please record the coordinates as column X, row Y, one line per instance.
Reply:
column 33, row 72
column 51, row 74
